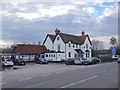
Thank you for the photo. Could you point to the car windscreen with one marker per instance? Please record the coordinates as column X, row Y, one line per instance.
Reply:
column 9, row 60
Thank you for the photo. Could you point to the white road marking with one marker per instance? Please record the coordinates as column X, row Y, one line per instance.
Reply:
column 113, row 70
column 79, row 81
column 25, row 79
column 2, row 83
column 46, row 74
column 60, row 72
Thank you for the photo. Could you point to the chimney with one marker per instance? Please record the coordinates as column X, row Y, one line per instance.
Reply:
column 57, row 31
column 83, row 33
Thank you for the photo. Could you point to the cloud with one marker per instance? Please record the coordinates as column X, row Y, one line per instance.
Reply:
column 47, row 12
column 31, row 21
column 6, row 43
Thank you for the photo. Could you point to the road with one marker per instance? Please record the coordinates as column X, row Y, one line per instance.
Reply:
column 61, row 76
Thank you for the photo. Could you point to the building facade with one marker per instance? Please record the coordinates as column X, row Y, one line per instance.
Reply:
column 28, row 52
column 62, row 46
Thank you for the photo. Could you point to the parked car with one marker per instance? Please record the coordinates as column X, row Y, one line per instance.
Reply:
column 41, row 61
column 69, row 61
column 95, row 60
column 7, row 62
column 105, row 57
column 19, row 62
column 79, row 61
column 118, row 60
column 88, row 61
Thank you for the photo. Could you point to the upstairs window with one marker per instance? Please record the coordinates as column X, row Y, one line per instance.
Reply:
column 69, row 54
column 58, row 38
column 86, row 46
column 73, row 46
column 58, row 47
column 69, row 45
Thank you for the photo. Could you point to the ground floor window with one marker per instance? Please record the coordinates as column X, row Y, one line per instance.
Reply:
column 87, row 54
column 81, row 55
column 46, row 55
column 75, row 55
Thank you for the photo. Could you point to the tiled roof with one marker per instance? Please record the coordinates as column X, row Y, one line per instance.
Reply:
column 74, row 39
column 68, row 37
column 27, row 49
column 52, row 37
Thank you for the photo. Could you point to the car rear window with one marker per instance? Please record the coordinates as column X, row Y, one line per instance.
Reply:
column 3, row 60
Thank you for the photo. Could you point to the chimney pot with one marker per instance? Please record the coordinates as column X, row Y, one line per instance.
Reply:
column 83, row 33
column 57, row 31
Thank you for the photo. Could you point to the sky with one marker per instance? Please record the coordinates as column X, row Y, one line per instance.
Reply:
column 30, row 21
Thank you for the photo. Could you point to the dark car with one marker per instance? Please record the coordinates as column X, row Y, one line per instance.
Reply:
column 96, row 60
column 19, row 62
column 88, row 61
column 41, row 61
column 69, row 61
column 118, row 60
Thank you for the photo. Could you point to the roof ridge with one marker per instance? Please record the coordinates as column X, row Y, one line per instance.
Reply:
column 70, row 34
column 51, row 34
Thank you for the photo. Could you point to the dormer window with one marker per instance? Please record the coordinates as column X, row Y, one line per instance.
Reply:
column 58, row 38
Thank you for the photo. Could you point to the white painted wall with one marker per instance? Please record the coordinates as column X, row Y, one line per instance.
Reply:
column 60, row 56
column 57, row 42
column 48, row 43
column 55, row 56
column 83, row 47
column 25, row 57
column 70, row 49
column 65, row 48
column 50, row 56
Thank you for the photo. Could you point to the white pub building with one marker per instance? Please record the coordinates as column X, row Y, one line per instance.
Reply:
column 62, row 46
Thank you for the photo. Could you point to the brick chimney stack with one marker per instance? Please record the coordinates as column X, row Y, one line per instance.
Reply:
column 57, row 31
column 83, row 33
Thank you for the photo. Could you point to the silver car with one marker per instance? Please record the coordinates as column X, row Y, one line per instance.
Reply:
column 118, row 60
column 7, row 62
column 80, row 61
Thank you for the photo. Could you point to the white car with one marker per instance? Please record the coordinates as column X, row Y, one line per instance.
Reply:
column 80, row 61
column 7, row 62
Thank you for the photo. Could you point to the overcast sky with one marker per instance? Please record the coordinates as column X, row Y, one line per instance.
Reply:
column 30, row 21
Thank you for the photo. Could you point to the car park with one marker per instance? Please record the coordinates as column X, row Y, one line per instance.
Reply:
column 69, row 61
column 7, row 62
column 19, row 62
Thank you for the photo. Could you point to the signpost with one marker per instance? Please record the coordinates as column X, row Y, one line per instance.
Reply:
column 113, row 52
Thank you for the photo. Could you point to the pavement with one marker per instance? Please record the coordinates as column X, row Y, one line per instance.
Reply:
column 61, row 76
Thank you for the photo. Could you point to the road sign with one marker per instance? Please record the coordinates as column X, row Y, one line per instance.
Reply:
column 113, row 51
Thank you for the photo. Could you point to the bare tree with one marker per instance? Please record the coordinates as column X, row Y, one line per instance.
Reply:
column 97, row 45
